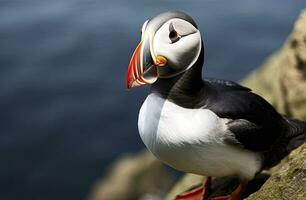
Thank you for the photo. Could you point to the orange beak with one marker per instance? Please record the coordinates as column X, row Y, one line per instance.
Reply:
column 142, row 68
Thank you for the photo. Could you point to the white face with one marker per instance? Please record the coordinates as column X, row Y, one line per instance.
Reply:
column 178, row 41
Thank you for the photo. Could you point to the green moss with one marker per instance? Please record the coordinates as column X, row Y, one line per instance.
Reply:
column 289, row 182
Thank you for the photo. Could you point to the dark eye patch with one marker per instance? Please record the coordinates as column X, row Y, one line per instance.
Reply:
column 174, row 36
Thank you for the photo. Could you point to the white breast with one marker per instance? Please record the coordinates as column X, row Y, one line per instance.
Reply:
column 192, row 140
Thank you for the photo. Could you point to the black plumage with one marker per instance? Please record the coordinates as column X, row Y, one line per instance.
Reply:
column 255, row 124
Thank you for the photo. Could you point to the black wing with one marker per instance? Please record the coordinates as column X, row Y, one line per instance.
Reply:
column 255, row 124
column 226, row 83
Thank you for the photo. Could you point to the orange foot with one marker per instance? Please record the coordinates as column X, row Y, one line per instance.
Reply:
column 198, row 193
column 236, row 194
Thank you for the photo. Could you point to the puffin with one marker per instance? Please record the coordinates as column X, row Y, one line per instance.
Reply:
column 207, row 127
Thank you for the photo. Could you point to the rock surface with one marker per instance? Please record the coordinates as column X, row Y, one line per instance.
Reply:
column 282, row 78
column 138, row 176
column 282, row 81
column 288, row 182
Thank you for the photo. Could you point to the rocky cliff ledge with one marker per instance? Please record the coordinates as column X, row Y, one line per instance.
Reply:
column 282, row 81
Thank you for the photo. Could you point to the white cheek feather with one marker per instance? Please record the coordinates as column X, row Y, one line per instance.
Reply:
column 192, row 140
column 185, row 52
column 188, row 47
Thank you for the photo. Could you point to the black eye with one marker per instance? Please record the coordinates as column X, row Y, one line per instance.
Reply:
column 173, row 35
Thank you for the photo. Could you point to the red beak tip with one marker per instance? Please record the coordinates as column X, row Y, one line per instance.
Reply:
column 129, row 85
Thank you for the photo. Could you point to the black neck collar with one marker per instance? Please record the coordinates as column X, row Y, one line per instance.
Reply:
column 185, row 88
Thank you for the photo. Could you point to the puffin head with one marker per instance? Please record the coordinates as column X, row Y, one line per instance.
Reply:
column 170, row 44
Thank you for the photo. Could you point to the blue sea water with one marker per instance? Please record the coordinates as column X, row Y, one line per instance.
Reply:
column 64, row 111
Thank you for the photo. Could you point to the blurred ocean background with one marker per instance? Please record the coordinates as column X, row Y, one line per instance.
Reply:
column 64, row 109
